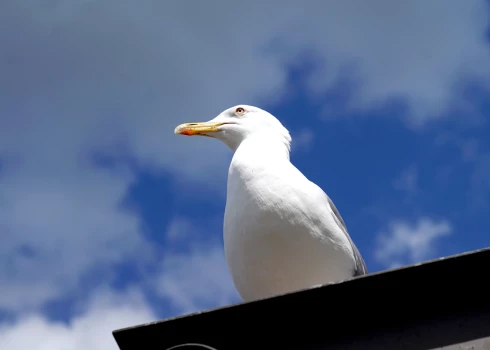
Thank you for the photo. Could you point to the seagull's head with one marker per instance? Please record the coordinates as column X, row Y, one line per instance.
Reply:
column 238, row 123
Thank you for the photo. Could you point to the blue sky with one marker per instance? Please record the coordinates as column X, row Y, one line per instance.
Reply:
column 108, row 219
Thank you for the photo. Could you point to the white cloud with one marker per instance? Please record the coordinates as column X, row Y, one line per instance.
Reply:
column 92, row 329
column 197, row 280
column 420, row 52
column 55, row 228
column 115, row 77
column 410, row 243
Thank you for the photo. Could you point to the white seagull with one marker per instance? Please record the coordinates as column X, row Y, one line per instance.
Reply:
column 282, row 233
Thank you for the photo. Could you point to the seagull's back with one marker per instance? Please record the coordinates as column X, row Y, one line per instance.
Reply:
column 281, row 231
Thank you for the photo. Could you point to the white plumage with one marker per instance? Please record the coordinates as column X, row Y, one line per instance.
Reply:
column 281, row 231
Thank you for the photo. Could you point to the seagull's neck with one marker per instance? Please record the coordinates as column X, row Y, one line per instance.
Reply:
column 266, row 148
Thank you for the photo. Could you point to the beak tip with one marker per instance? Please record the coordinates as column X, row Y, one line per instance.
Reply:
column 178, row 129
column 182, row 130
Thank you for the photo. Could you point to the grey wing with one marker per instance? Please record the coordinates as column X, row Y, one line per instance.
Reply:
column 360, row 267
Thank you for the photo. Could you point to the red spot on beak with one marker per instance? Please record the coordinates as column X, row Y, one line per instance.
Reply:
column 187, row 132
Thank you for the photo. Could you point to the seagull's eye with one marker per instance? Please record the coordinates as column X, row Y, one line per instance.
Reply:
column 240, row 111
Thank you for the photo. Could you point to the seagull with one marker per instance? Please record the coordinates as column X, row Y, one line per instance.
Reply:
column 282, row 233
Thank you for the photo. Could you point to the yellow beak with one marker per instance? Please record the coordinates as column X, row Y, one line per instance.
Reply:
column 200, row 128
